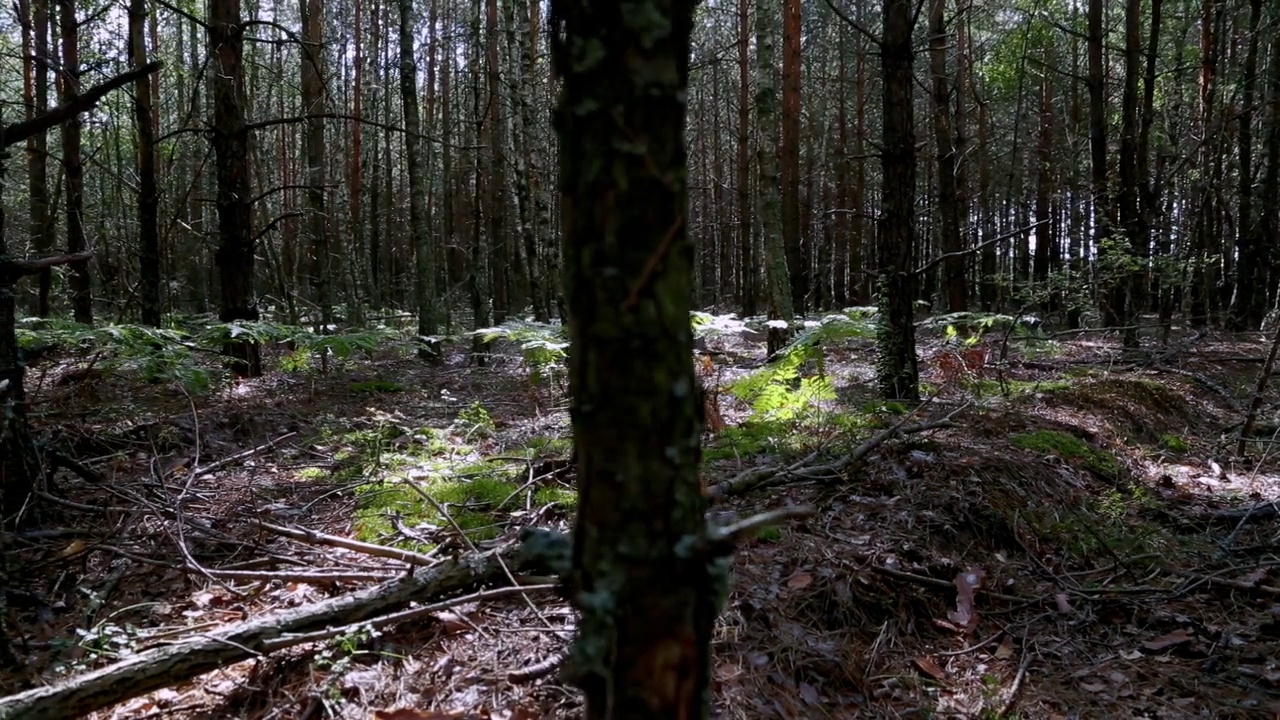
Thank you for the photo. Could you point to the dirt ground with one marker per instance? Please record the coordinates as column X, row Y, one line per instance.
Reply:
column 1077, row 543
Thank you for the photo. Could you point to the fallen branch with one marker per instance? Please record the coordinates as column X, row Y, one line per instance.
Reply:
column 214, row 467
column 303, row 534
column 772, row 475
column 180, row 661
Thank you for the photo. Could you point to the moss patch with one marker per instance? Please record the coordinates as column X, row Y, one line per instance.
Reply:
column 1067, row 447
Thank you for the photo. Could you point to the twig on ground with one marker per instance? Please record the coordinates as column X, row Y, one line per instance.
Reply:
column 218, row 465
column 314, row 536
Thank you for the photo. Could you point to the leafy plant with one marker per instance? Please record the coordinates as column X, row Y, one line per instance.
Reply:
column 543, row 347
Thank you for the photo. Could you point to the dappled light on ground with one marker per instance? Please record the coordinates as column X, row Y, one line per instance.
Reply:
column 1075, row 537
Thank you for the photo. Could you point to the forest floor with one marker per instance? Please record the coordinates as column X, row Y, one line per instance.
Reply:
column 1076, row 542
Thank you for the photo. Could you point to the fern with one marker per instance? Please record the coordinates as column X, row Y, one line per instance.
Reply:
column 543, row 347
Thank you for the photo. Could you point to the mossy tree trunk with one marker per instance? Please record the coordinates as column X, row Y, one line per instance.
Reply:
column 896, row 337
column 647, row 607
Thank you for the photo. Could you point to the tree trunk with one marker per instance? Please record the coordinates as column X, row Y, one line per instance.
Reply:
column 792, row 233
column 898, row 373
column 41, row 225
column 769, row 200
column 1112, row 302
column 1248, row 308
column 747, row 285
column 73, row 163
column 313, row 105
column 424, row 273
column 1126, row 301
column 230, row 139
column 954, row 272
column 505, row 299
column 148, row 200
column 648, row 612
column 1270, row 209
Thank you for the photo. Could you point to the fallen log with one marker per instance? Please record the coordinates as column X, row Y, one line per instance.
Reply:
column 177, row 662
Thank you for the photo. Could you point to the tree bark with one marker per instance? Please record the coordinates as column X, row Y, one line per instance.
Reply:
column 313, row 106
column 148, row 196
column 73, row 163
column 898, row 372
column 643, row 649
column 40, row 225
column 424, row 273
column 748, row 292
column 1248, row 306
column 1111, row 303
column 769, row 200
column 793, row 240
column 954, row 271
column 230, row 139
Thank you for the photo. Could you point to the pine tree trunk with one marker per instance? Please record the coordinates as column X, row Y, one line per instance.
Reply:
column 148, row 200
column 424, row 273
column 896, row 331
column 313, row 105
column 954, row 272
column 643, row 650
column 769, row 200
column 73, row 163
column 1247, row 309
column 230, row 139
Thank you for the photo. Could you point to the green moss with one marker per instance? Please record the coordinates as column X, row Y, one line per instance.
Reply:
column 539, row 447
column 769, row 535
column 1174, row 443
column 1067, row 447
column 556, row 496
column 313, row 473
column 1019, row 387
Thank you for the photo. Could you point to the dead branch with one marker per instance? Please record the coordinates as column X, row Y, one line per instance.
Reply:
column 20, row 131
column 214, row 467
column 31, row 267
column 772, row 475
column 180, row 661
column 1255, row 404
column 305, row 535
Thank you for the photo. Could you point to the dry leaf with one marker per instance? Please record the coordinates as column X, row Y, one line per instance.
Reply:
column 75, row 547
column 1254, row 577
column 1177, row 637
column 966, row 583
column 799, row 581
column 1064, row 604
column 931, row 668
column 1005, row 650
column 810, row 694
column 1093, row 687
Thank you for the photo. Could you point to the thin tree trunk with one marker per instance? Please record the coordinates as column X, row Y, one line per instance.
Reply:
column 1112, row 303
column 747, row 285
column 505, row 299
column 424, row 273
column 769, row 202
column 898, row 372
column 793, row 243
column 313, row 105
column 230, row 139
column 148, row 200
column 1248, row 308
column 954, row 272
column 40, row 224
column 73, row 163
